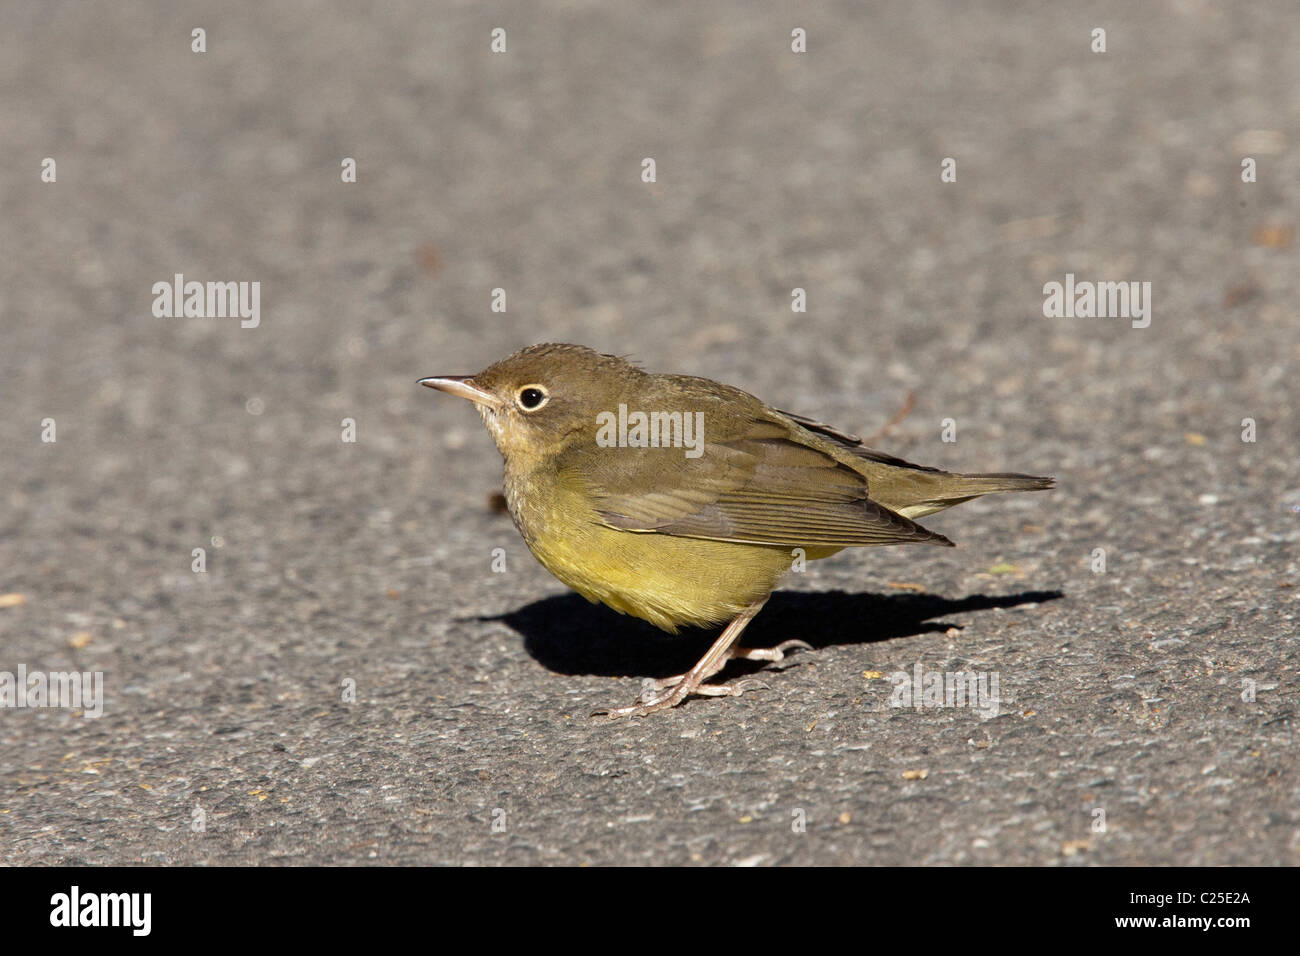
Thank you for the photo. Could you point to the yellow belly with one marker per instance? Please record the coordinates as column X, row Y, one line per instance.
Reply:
column 666, row 580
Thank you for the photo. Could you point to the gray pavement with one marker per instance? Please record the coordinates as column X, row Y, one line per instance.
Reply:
column 225, row 736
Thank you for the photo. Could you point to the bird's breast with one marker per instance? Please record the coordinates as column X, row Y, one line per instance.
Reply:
column 669, row 581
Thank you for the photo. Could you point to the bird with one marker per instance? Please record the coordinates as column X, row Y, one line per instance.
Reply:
column 683, row 501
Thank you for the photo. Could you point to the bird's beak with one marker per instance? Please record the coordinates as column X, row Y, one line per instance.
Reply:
column 462, row 386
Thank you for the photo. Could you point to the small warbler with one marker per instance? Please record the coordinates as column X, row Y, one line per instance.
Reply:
column 682, row 501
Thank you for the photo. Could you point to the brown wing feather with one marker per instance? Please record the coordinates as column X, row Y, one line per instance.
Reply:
column 761, row 485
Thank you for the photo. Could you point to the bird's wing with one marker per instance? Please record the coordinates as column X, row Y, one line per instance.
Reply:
column 757, row 482
column 853, row 444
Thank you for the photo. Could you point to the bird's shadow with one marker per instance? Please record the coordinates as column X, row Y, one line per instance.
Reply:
column 569, row 635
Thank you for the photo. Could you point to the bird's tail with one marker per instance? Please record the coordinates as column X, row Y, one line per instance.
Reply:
column 946, row 490
column 972, row 486
column 915, row 491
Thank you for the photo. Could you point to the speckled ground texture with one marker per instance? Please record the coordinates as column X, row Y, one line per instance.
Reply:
column 1123, row 691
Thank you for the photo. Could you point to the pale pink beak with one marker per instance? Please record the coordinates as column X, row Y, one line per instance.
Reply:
column 462, row 386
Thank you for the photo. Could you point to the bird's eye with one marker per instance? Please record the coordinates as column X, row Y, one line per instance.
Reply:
column 532, row 397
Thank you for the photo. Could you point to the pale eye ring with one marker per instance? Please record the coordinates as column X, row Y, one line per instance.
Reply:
column 531, row 397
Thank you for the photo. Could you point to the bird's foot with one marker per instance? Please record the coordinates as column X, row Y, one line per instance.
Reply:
column 665, row 692
column 668, row 692
column 770, row 653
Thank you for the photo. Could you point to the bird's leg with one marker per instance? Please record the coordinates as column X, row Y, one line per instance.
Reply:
column 660, row 695
column 769, row 654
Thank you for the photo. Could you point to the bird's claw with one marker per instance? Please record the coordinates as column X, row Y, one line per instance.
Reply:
column 771, row 654
column 653, row 698
column 663, row 693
